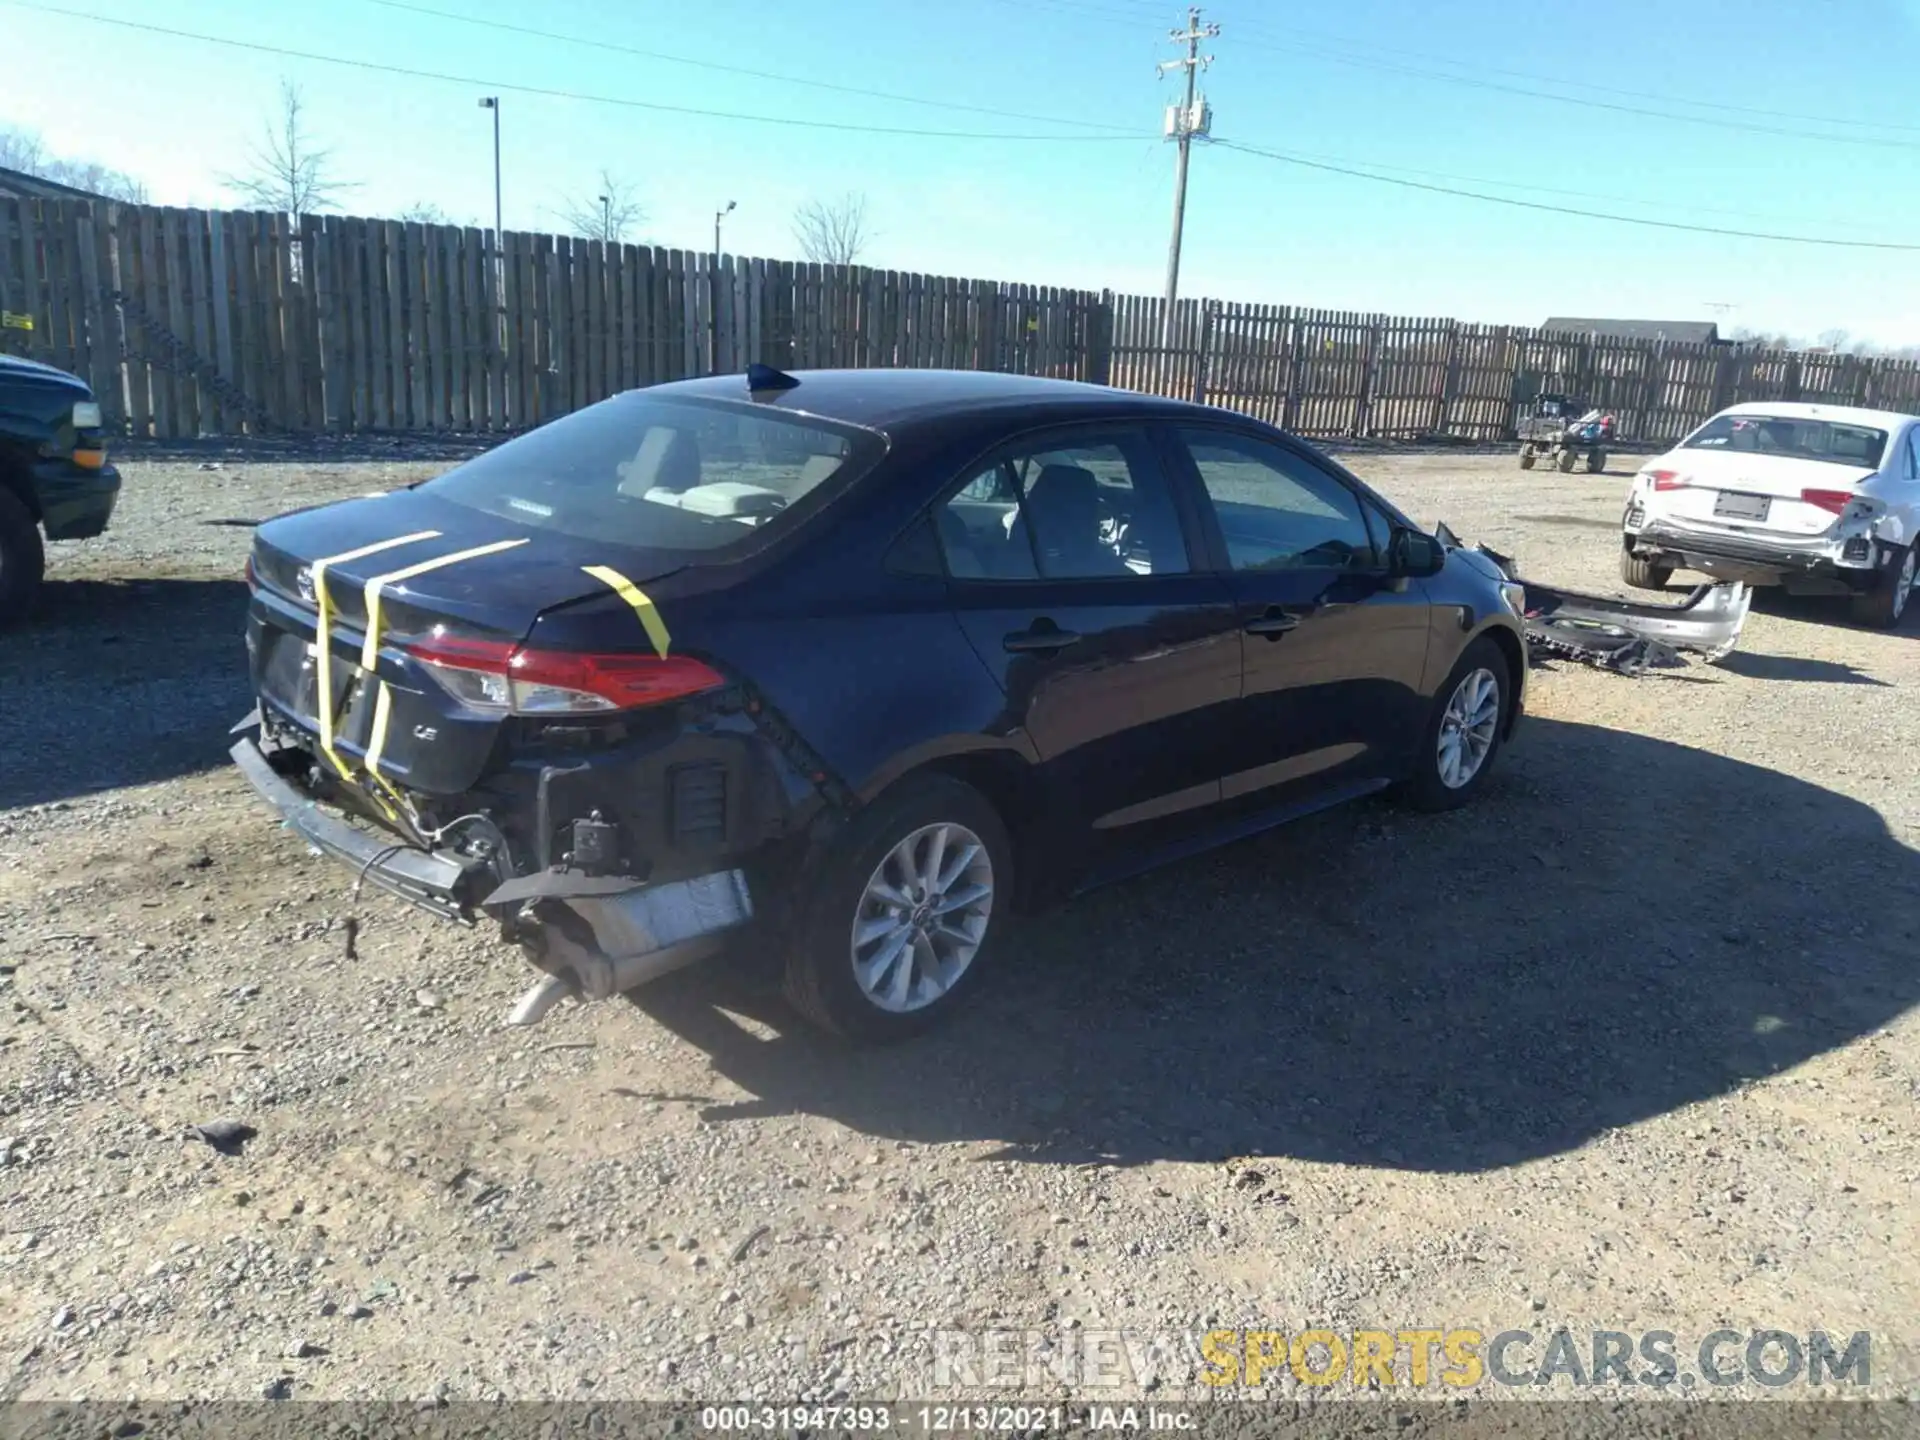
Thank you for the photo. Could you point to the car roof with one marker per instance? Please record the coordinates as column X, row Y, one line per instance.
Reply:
column 888, row 399
column 1844, row 414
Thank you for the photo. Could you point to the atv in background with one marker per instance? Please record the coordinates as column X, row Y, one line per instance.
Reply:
column 1564, row 430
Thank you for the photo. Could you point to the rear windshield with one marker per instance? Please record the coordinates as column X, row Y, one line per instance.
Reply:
column 661, row 474
column 1856, row 446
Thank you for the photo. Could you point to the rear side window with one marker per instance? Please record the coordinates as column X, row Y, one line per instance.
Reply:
column 661, row 474
column 1083, row 509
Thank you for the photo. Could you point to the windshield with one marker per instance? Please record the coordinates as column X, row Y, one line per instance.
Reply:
column 661, row 474
column 1855, row 446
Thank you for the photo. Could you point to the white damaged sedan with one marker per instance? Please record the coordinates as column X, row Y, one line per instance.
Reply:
column 1820, row 499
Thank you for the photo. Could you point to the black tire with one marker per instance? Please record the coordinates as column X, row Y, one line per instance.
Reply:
column 1642, row 573
column 1568, row 459
column 1885, row 605
column 1527, row 457
column 819, row 978
column 1425, row 789
column 23, row 559
column 1596, row 462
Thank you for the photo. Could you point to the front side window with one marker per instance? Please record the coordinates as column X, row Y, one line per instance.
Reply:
column 1793, row 438
column 659, row 473
column 1278, row 511
column 1085, row 509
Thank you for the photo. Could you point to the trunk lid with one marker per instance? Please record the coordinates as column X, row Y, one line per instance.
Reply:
column 1750, row 493
column 497, row 594
column 496, row 580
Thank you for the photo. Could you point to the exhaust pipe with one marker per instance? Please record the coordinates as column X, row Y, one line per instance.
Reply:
column 547, row 992
column 608, row 945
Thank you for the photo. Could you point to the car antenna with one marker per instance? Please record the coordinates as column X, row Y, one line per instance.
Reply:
column 765, row 380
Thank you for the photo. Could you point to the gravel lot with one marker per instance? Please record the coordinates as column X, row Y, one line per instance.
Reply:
column 1631, row 1045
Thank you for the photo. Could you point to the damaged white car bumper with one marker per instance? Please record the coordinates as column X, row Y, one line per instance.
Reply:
column 1629, row 636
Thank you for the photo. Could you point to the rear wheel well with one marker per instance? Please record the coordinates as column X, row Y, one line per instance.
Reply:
column 1007, row 782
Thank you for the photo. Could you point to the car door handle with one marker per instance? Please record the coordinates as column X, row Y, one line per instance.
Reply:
column 1274, row 623
column 1040, row 639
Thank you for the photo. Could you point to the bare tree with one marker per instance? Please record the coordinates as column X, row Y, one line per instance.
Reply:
column 25, row 151
column 608, row 215
column 833, row 232
column 424, row 212
column 290, row 174
column 1835, row 339
column 1766, row 339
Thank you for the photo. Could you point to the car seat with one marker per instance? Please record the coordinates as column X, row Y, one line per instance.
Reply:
column 1063, row 506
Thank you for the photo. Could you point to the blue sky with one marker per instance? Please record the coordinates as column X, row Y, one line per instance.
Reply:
column 1353, row 84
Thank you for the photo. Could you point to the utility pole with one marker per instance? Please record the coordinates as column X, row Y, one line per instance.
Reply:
column 1183, row 123
column 606, row 217
column 718, row 216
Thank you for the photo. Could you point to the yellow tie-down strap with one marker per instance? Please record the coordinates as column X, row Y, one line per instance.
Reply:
column 650, row 620
column 370, row 648
column 323, row 634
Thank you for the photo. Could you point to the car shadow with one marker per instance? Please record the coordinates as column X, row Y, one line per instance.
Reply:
column 1756, row 666
column 1623, row 927
column 112, row 683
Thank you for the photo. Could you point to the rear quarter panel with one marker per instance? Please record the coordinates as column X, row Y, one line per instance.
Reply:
column 871, row 669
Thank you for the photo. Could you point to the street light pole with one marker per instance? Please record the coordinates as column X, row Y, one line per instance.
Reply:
column 713, row 291
column 492, row 102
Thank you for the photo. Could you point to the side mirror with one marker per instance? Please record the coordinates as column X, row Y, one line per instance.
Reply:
column 1415, row 555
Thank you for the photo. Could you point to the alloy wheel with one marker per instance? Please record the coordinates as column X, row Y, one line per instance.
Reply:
column 922, row 917
column 1467, row 728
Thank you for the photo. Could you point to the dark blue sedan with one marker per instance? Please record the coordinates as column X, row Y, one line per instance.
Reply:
column 852, row 665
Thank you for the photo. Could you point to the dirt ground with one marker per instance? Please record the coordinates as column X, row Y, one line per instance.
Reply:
column 1630, row 1045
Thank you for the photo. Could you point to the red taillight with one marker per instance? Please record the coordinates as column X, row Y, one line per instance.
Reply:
column 1666, row 480
column 494, row 675
column 1833, row 500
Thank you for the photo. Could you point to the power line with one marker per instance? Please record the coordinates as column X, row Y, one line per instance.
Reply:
column 1426, row 172
column 1501, row 87
column 609, row 45
column 551, row 93
column 1325, row 165
column 1368, row 62
column 1325, row 38
column 1563, row 209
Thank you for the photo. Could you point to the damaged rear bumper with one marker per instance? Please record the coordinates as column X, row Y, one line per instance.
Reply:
column 594, row 936
column 1629, row 636
column 435, row 881
column 1708, row 622
column 1848, row 556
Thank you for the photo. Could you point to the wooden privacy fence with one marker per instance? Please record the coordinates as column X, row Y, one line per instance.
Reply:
column 191, row 322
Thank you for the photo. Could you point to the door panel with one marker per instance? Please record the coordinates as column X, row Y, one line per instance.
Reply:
column 1127, row 705
column 1333, row 651
column 1118, row 658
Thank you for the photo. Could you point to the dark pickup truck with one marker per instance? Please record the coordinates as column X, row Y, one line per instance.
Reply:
column 54, row 475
